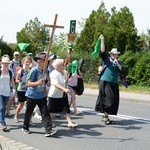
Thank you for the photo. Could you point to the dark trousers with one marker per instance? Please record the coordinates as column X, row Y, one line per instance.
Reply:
column 42, row 104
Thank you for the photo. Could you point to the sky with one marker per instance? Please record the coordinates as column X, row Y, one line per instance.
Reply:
column 14, row 14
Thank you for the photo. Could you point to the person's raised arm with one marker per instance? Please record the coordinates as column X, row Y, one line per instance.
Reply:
column 102, row 44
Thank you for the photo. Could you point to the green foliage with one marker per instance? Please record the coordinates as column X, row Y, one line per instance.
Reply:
column 86, row 38
column 60, row 46
column 119, row 31
column 35, row 34
column 138, row 67
column 118, row 28
column 90, row 66
column 5, row 48
column 142, row 69
column 123, row 30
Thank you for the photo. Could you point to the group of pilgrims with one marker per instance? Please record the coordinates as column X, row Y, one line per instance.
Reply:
column 46, row 95
column 43, row 96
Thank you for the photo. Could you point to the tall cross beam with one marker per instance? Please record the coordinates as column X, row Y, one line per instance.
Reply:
column 54, row 26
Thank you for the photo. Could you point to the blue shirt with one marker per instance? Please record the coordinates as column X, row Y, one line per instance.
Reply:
column 36, row 92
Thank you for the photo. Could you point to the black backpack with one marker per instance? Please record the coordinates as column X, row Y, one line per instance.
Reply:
column 80, row 87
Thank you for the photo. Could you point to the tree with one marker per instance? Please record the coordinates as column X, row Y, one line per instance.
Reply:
column 119, row 31
column 60, row 45
column 35, row 34
column 85, row 40
column 145, row 40
column 5, row 48
column 123, row 31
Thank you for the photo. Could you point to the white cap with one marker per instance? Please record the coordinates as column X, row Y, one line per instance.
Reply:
column 16, row 53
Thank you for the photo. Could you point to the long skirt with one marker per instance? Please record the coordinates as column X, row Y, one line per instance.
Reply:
column 108, row 98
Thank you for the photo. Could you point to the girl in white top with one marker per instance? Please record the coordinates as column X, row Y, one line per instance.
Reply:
column 6, row 80
column 72, row 85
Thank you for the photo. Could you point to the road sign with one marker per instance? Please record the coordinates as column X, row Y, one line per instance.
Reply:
column 72, row 26
column 72, row 37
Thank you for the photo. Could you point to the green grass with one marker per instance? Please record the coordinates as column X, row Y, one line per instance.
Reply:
column 131, row 88
column 137, row 89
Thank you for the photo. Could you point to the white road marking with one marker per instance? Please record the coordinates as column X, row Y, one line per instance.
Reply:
column 126, row 117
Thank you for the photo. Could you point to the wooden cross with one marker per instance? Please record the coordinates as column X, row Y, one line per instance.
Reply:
column 54, row 26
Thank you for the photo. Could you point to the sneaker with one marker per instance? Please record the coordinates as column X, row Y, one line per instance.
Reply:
column 8, row 115
column 50, row 133
column 26, row 131
column 16, row 119
column 3, row 127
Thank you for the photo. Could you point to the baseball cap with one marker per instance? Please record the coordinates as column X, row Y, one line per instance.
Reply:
column 16, row 53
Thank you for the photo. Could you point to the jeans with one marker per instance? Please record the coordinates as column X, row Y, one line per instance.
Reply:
column 3, row 104
column 42, row 104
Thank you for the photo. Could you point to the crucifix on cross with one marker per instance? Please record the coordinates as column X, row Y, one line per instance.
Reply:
column 54, row 26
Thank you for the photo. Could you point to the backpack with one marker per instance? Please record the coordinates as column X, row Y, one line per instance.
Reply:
column 12, row 64
column 80, row 85
column 10, row 74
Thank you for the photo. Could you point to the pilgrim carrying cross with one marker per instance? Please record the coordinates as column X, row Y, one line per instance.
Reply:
column 54, row 26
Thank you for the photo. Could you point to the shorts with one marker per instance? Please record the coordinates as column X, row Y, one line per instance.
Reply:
column 21, row 96
column 73, row 87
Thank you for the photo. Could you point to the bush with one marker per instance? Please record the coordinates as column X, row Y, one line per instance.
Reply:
column 138, row 67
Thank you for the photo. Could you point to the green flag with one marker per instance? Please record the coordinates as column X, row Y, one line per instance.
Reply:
column 97, row 48
column 23, row 46
column 73, row 67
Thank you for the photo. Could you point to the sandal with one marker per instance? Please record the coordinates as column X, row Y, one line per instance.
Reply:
column 78, row 113
column 109, row 122
column 104, row 118
column 72, row 125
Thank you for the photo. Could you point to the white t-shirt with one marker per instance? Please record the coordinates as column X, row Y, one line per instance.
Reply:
column 57, row 78
column 5, row 85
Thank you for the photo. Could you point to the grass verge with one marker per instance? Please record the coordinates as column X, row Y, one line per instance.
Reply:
column 131, row 88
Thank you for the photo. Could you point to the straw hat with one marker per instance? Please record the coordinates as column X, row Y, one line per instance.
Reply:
column 40, row 56
column 114, row 51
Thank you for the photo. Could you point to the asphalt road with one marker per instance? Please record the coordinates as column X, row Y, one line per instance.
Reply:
column 131, row 131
